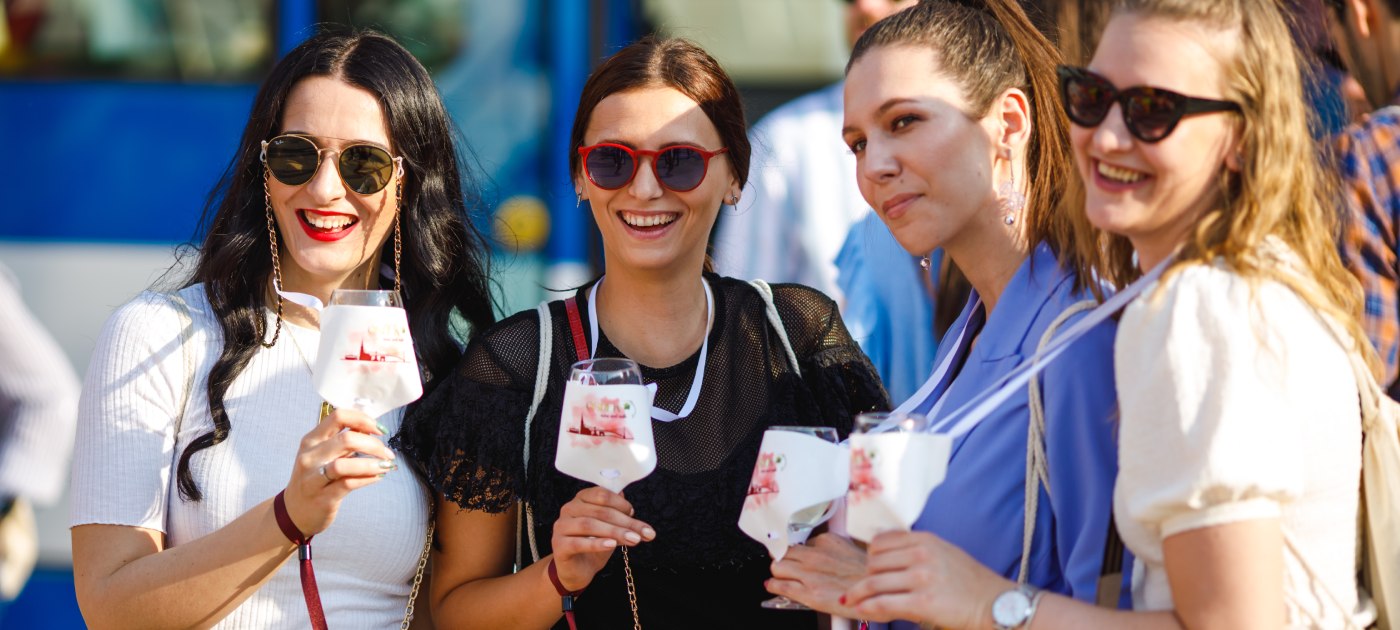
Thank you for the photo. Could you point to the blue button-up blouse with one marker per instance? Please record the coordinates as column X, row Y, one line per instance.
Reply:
column 980, row 505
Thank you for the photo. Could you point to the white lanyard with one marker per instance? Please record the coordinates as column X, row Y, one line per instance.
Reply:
column 983, row 404
column 696, row 383
column 926, row 390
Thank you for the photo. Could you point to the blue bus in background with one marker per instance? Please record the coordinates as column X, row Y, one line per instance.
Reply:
column 120, row 116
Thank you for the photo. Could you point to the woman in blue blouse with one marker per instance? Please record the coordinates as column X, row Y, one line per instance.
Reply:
column 960, row 146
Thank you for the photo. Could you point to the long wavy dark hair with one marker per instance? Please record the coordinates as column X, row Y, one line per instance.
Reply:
column 445, row 258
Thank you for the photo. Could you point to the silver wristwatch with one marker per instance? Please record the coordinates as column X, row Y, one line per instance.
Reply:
column 1014, row 608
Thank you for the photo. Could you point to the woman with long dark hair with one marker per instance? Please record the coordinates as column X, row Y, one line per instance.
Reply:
column 194, row 461
column 658, row 146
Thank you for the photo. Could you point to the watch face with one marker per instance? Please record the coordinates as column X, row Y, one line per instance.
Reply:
column 1011, row 608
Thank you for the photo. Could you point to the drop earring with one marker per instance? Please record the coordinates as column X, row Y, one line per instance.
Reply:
column 578, row 199
column 1012, row 201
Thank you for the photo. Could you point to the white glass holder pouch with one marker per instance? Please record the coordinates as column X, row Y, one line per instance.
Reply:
column 605, row 434
column 794, row 471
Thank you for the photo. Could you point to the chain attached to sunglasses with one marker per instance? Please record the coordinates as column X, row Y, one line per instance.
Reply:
column 259, row 322
column 398, row 239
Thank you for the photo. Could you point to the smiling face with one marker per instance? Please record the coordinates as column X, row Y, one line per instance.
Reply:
column 331, row 236
column 646, row 226
column 1154, row 193
column 922, row 163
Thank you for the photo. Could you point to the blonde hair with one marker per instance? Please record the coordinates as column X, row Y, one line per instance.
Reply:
column 1282, row 189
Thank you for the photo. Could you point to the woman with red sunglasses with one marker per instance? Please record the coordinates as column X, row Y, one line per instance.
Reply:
column 1239, row 436
column 659, row 145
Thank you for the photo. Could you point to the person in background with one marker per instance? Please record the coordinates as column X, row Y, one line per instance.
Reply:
column 724, row 370
column 38, row 415
column 1240, row 429
column 1368, row 157
column 196, row 475
column 960, row 147
column 804, row 221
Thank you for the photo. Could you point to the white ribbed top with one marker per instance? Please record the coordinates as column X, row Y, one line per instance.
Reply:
column 127, row 446
column 38, row 403
column 1237, row 404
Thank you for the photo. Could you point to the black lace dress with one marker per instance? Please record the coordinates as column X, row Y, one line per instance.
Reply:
column 700, row 571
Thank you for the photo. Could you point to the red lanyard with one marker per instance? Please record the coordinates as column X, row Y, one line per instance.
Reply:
column 308, row 575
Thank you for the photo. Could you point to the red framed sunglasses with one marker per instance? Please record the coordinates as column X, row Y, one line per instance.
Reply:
column 679, row 168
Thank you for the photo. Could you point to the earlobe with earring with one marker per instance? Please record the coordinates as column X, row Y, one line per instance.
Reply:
column 1011, row 200
column 578, row 199
column 733, row 200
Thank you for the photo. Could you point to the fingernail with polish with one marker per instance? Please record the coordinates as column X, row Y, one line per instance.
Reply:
column 632, row 537
column 842, row 600
column 608, row 542
column 649, row 533
column 382, row 430
column 388, row 465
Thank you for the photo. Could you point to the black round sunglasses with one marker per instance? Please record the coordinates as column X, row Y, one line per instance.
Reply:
column 1149, row 113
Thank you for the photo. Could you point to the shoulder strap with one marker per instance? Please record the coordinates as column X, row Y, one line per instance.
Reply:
column 1037, row 473
column 771, row 309
column 524, row 515
column 576, row 328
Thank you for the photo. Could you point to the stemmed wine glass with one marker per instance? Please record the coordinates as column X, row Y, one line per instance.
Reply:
column 803, row 521
column 895, row 464
column 366, row 360
column 605, row 424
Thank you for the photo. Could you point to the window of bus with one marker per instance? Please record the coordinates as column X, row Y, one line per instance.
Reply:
column 224, row 41
column 435, row 31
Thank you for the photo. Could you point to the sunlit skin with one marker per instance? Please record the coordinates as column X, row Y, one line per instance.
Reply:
column 1154, row 193
column 929, row 169
column 862, row 14
column 334, row 114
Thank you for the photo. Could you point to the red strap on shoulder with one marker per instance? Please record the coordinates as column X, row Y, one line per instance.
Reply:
column 308, row 574
column 576, row 327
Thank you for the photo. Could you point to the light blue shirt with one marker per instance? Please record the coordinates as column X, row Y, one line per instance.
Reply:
column 888, row 309
column 980, row 505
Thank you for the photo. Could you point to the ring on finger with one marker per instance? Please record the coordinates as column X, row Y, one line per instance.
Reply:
column 324, row 474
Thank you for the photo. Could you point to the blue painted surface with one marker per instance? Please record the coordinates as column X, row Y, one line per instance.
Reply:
column 47, row 602
column 569, row 66
column 296, row 21
column 114, row 162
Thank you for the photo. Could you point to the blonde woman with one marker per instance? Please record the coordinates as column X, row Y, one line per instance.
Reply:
column 1240, row 437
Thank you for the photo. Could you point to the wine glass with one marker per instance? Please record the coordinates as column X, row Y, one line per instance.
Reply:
column 605, row 424
column 803, row 521
column 366, row 360
column 895, row 464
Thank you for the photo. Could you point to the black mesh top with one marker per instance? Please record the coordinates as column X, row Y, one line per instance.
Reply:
column 700, row 571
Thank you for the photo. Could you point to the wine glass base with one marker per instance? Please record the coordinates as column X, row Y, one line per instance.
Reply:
column 783, row 603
